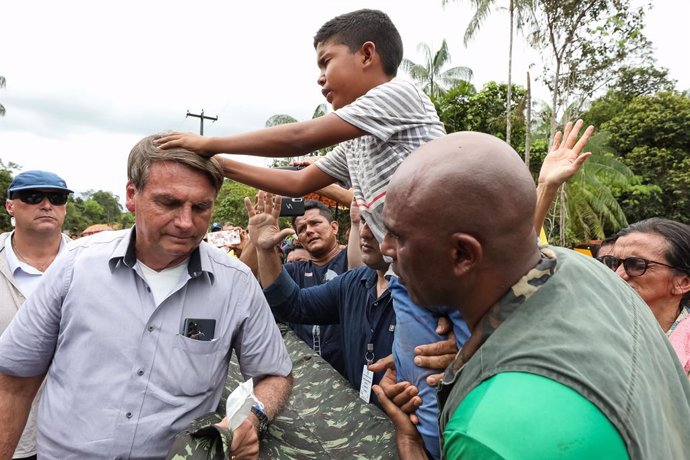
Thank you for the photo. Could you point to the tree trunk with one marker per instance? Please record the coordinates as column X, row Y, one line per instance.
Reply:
column 528, row 121
column 554, row 101
column 510, row 72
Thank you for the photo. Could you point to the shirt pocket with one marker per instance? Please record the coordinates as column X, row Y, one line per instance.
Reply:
column 194, row 365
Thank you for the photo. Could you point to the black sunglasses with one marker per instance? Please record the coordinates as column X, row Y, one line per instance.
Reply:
column 37, row 196
column 633, row 266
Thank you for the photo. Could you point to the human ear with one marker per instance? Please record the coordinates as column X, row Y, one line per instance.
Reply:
column 367, row 50
column 9, row 206
column 467, row 253
column 131, row 191
column 681, row 285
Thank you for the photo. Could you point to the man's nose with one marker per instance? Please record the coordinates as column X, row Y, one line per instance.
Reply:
column 388, row 247
column 185, row 218
column 45, row 203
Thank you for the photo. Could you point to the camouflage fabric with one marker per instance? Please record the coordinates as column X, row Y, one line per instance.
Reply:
column 202, row 440
column 324, row 417
column 497, row 314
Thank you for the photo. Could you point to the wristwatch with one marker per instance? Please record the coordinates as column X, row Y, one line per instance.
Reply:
column 263, row 420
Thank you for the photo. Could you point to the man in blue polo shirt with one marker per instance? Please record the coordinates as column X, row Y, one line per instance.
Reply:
column 359, row 299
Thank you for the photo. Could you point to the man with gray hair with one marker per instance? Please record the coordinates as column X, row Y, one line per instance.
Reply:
column 134, row 328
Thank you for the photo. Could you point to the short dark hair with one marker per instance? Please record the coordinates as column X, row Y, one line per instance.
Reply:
column 361, row 26
column 315, row 204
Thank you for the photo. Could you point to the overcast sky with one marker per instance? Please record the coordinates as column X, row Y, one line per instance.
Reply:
column 86, row 80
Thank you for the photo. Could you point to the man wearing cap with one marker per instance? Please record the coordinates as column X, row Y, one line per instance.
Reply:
column 36, row 202
column 134, row 329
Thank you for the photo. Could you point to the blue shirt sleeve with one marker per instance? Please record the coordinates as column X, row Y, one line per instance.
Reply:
column 314, row 305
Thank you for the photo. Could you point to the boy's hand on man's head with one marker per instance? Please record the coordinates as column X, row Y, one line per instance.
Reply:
column 263, row 226
column 190, row 141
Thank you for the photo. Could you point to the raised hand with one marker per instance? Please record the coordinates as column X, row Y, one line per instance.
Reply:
column 189, row 141
column 263, row 226
column 565, row 159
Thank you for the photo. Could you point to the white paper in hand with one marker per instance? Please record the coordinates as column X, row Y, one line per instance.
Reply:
column 240, row 403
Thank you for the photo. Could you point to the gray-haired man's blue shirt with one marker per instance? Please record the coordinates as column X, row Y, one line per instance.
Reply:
column 122, row 378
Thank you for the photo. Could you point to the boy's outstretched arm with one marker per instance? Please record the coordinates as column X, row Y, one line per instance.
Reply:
column 289, row 140
column 276, row 181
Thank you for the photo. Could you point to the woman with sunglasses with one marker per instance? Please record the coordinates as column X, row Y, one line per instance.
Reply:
column 653, row 257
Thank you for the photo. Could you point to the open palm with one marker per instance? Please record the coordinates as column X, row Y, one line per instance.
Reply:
column 263, row 226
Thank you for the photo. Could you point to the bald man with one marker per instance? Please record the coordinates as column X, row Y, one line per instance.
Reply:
column 564, row 361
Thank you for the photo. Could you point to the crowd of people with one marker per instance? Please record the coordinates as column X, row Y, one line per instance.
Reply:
column 442, row 310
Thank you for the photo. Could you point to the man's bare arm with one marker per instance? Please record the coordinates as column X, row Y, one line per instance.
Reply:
column 278, row 181
column 273, row 391
column 354, row 250
column 343, row 196
column 16, row 396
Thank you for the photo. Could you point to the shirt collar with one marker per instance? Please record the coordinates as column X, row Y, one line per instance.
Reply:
column 125, row 253
column 15, row 264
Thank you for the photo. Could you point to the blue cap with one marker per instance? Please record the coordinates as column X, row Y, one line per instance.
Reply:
column 29, row 180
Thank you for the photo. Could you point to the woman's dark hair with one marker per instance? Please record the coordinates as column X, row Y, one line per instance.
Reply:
column 677, row 236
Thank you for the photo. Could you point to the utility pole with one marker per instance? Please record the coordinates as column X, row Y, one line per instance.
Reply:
column 202, row 117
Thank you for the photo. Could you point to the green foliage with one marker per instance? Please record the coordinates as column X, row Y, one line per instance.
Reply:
column 630, row 83
column 652, row 135
column 430, row 75
column 109, row 204
column 5, row 180
column 462, row 108
column 230, row 203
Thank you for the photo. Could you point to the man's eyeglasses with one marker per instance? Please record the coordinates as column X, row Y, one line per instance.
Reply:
column 633, row 266
column 37, row 196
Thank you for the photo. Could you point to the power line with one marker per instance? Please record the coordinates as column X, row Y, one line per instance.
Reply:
column 201, row 117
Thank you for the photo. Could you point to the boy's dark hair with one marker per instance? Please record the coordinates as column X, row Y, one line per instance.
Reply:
column 315, row 204
column 361, row 26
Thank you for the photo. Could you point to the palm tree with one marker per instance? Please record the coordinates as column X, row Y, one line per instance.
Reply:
column 433, row 79
column 2, row 85
column 517, row 9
